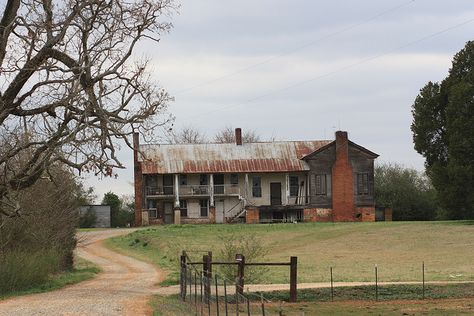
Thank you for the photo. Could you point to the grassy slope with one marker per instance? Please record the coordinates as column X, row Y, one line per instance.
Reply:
column 398, row 248
column 83, row 270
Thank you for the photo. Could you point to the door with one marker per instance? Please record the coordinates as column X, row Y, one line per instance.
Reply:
column 168, row 208
column 275, row 193
column 219, row 211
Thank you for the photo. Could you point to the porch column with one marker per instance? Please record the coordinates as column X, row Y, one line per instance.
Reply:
column 176, row 191
column 246, row 188
column 287, row 189
column 211, row 190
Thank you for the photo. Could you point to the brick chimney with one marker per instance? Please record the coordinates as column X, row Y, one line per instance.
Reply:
column 238, row 136
column 342, row 181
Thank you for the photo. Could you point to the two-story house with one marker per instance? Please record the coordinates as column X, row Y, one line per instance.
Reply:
column 326, row 180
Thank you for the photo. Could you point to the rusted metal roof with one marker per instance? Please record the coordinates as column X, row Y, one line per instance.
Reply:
column 225, row 158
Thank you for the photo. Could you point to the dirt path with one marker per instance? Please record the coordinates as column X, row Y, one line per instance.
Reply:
column 174, row 289
column 122, row 288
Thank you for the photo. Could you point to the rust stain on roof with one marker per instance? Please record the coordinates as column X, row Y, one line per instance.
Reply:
column 226, row 158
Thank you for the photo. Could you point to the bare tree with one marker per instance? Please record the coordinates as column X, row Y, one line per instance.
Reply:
column 227, row 135
column 186, row 135
column 70, row 88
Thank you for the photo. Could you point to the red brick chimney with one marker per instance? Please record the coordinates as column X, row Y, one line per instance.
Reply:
column 342, row 181
column 137, row 180
column 238, row 136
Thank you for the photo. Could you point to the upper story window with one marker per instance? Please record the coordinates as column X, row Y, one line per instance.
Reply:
column 294, row 186
column 168, row 184
column 234, row 179
column 183, row 179
column 256, row 186
column 203, row 179
column 321, row 184
column 363, row 187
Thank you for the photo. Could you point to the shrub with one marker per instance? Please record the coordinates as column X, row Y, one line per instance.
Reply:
column 251, row 247
column 88, row 219
column 21, row 269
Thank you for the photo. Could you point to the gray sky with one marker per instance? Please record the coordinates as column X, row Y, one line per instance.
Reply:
column 299, row 70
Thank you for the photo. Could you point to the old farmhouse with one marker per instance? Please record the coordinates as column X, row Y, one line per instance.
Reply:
column 289, row 181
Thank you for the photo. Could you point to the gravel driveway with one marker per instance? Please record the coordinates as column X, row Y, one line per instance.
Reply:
column 122, row 288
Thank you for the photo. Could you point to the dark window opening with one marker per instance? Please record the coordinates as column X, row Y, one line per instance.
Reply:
column 204, row 207
column 256, row 187
column 321, row 184
column 168, row 184
column 183, row 179
column 218, row 183
column 203, row 179
column 183, row 206
column 363, row 184
column 294, row 186
column 234, row 179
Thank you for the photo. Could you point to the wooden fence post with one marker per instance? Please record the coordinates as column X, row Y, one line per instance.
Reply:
column 207, row 284
column 239, row 284
column 182, row 277
column 293, row 278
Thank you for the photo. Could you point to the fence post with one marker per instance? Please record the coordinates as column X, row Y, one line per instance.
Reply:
column 376, row 284
column 332, row 286
column 207, row 283
column 263, row 304
column 182, row 278
column 423, row 272
column 239, row 284
column 225, row 298
column 293, row 278
column 217, row 297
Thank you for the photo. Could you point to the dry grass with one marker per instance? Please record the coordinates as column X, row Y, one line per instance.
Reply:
column 352, row 249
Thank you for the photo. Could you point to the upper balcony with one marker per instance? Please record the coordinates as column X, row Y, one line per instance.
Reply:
column 193, row 190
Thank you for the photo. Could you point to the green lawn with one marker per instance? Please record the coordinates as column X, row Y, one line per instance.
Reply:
column 352, row 249
column 83, row 270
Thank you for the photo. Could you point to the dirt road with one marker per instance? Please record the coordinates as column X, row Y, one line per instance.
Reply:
column 122, row 288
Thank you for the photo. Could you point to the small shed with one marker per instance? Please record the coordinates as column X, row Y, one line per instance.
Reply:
column 102, row 213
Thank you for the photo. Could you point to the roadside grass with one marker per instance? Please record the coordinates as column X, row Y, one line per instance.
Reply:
column 83, row 270
column 352, row 249
column 456, row 299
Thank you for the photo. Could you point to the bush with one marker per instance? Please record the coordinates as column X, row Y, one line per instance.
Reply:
column 252, row 248
column 21, row 270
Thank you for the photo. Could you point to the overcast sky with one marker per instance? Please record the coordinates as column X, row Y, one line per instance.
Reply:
column 299, row 70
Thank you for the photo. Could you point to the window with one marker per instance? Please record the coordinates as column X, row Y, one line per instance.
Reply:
column 203, row 179
column 168, row 184
column 321, row 184
column 363, row 184
column 204, row 207
column 183, row 205
column 234, row 179
column 294, row 186
column 153, row 213
column 256, row 187
column 183, row 179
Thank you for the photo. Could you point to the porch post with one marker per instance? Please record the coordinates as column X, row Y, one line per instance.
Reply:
column 287, row 189
column 211, row 190
column 176, row 191
column 246, row 188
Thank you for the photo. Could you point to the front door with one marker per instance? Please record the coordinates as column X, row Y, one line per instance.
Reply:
column 275, row 193
column 219, row 211
column 168, row 207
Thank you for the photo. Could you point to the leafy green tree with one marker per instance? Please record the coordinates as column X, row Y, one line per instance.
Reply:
column 443, row 132
column 407, row 191
column 121, row 215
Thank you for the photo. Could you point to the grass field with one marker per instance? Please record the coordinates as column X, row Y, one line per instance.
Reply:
column 83, row 270
column 352, row 249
